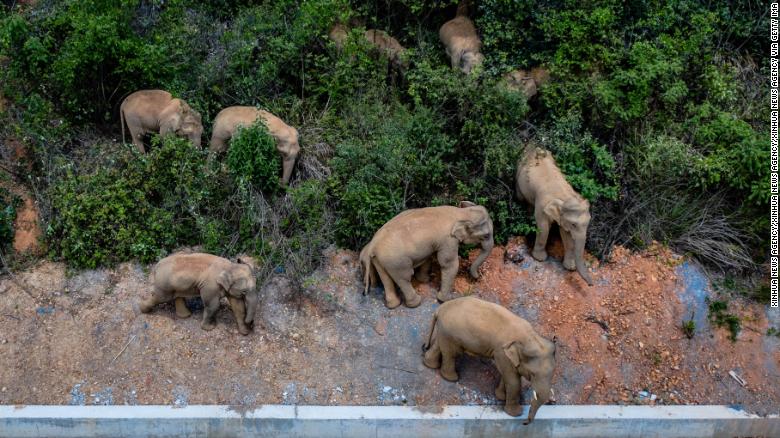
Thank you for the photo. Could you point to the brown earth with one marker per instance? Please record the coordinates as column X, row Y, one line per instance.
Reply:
column 79, row 339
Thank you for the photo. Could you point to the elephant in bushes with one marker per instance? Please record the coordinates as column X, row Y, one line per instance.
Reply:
column 409, row 240
column 229, row 119
column 541, row 183
column 485, row 329
column 150, row 111
column 461, row 42
column 187, row 275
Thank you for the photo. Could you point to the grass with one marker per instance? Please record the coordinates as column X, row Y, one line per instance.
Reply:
column 721, row 318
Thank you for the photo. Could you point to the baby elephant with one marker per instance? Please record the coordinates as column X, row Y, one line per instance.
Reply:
column 188, row 275
column 485, row 329
column 286, row 137
column 540, row 182
column 409, row 240
column 150, row 111
column 461, row 43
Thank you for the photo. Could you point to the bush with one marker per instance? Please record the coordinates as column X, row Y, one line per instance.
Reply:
column 141, row 208
column 253, row 156
column 8, row 204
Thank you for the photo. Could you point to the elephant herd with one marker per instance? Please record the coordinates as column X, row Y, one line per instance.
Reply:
column 402, row 248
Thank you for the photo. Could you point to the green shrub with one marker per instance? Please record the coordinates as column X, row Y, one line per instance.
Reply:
column 8, row 204
column 144, row 206
column 253, row 156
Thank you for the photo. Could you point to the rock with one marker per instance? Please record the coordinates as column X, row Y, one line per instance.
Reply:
column 380, row 327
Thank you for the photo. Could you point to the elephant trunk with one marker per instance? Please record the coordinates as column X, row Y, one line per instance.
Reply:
column 579, row 254
column 251, row 300
column 541, row 394
column 487, row 246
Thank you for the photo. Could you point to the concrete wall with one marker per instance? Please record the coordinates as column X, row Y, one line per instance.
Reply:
column 380, row 421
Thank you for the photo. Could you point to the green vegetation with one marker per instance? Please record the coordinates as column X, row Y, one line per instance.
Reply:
column 689, row 327
column 8, row 204
column 721, row 318
column 655, row 112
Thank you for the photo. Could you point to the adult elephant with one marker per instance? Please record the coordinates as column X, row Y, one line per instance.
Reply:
column 409, row 240
column 543, row 185
column 229, row 119
column 150, row 111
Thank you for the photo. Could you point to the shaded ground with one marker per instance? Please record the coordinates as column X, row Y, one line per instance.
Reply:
column 80, row 339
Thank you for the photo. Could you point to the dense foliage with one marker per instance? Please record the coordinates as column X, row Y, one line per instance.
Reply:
column 655, row 112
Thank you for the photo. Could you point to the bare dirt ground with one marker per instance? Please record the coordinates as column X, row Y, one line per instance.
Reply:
column 78, row 338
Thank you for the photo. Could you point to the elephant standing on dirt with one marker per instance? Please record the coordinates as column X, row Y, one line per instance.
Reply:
column 485, row 329
column 408, row 241
column 541, row 183
column 229, row 119
column 461, row 42
column 210, row 277
column 157, row 111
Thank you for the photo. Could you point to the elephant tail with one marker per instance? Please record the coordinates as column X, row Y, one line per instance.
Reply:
column 122, row 120
column 427, row 344
column 368, row 269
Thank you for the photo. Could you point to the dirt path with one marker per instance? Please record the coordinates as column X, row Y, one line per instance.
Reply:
column 80, row 340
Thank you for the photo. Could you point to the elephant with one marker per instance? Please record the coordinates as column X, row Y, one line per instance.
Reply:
column 461, row 42
column 149, row 111
column 528, row 82
column 388, row 46
column 409, row 240
column 286, row 137
column 481, row 328
column 191, row 274
column 540, row 182
column 339, row 34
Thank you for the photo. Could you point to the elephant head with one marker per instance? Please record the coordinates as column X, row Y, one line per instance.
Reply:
column 470, row 60
column 239, row 282
column 573, row 215
column 475, row 227
column 183, row 121
column 534, row 359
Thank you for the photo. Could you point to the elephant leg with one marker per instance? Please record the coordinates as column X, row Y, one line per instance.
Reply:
column 432, row 358
column 543, row 223
column 501, row 390
column 239, row 311
column 181, row 308
column 209, row 310
column 423, row 273
column 158, row 297
column 403, row 277
column 137, row 135
column 392, row 300
column 449, row 353
column 217, row 144
column 512, row 386
column 448, row 260
column 568, row 250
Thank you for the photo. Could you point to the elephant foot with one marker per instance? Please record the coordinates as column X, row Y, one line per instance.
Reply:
column 208, row 326
column 244, row 330
column 500, row 392
column 145, row 307
column 539, row 254
column 444, row 297
column 392, row 302
column 474, row 273
column 569, row 264
column 514, row 410
column 414, row 301
column 433, row 361
column 450, row 375
column 422, row 278
column 183, row 312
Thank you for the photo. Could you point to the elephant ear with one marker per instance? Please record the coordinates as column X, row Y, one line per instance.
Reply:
column 466, row 204
column 460, row 230
column 225, row 280
column 512, row 352
column 553, row 210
